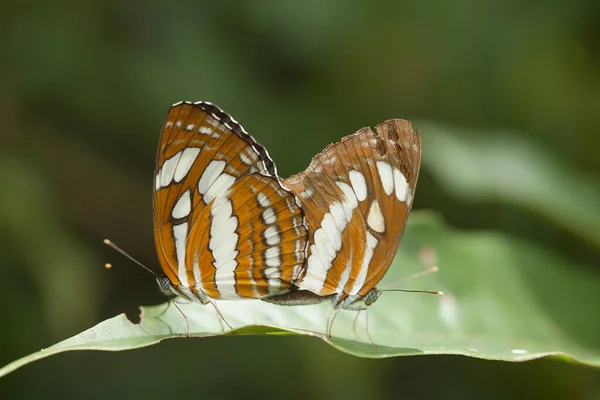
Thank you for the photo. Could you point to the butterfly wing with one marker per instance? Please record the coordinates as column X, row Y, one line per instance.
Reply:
column 224, row 225
column 356, row 196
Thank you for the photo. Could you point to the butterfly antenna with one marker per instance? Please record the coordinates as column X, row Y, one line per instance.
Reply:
column 412, row 291
column 419, row 274
column 427, row 271
column 130, row 258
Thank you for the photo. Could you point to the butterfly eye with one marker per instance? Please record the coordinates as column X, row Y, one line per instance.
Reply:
column 165, row 286
column 371, row 296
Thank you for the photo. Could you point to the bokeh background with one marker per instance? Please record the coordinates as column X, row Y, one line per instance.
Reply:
column 84, row 88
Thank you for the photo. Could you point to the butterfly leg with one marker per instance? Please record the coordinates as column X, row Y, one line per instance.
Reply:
column 163, row 312
column 222, row 318
column 330, row 325
column 174, row 302
column 367, row 330
column 187, row 322
column 354, row 322
column 358, row 310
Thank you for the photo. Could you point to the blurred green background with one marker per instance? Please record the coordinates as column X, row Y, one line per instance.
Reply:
column 84, row 89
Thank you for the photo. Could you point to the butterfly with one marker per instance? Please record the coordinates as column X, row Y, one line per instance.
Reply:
column 226, row 226
column 356, row 196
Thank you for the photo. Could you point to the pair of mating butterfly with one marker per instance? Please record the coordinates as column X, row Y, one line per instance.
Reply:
column 226, row 226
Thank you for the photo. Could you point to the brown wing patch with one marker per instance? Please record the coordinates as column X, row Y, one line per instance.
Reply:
column 240, row 237
column 205, row 159
column 373, row 177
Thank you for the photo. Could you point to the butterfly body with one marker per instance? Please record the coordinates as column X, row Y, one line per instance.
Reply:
column 297, row 297
column 228, row 227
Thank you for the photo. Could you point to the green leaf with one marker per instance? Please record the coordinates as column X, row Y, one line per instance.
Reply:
column 501, row 166
column 504, row 300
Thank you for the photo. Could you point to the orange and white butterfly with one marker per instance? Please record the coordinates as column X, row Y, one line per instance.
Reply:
column 226, row 226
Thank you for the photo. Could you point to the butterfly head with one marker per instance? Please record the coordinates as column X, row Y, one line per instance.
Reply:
column 371, row 296
column 165, row 286
column 362, row 302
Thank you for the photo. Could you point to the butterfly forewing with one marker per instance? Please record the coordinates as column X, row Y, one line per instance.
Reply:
column 356, row 197
column 223, row 222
